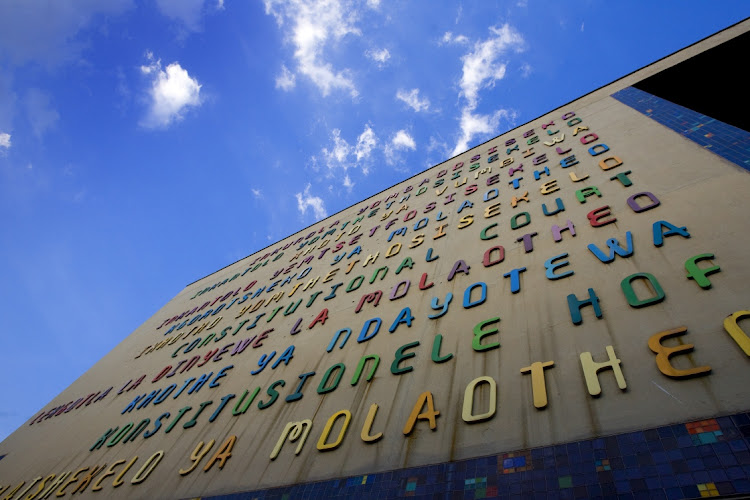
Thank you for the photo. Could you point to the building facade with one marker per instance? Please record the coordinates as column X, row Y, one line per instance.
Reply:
column 560, row 312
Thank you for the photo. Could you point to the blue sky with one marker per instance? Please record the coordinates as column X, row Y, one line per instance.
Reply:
column 146, row 144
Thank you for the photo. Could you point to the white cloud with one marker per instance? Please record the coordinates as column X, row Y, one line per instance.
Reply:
column 525, row 70
column 342, row 155
column 379, row 56
column 305, row 200
column 482, row 68
column 401, row 141
column 315, row 24
column 40, row 112
column 581, row 27
column 286, row 80
column 411, row 98
column 450, row 38
column 339, row 152
column 373, row 4
column 257, row 193
column 348, row 184
column 173, row 91
column 365, row 142
column 477, row 124
column 4, row 140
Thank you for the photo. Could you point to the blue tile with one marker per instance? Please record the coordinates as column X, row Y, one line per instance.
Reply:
column 669, row 481
column 690, row 452
column 687, row 123
column 633, row 473
column 594, row 490
column 664, row 469
column 706, row 450
column 673, row 455
column 648, row 471
column 665, row 432
column 725, row 488
column 691, row 491
column 727, row 460
column 710, row 462
column 684, row 441
column 685, row 479
column 674, row 493
column 695, row 464
column 654, row 446
column 735, row 473
column 720, row 448
column 718, row 475
column 653, row 483
column 639, row 473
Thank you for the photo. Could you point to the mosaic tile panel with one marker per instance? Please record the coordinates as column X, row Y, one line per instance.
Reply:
column 698, row 459
column 727, row 141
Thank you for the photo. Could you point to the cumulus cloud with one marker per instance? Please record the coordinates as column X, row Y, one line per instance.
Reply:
column 473, row 124
column 305, row 200
column 365, row 142
column 39, row 111
column 342, row 156
column 400, row 142
column 411, row 98
column 337, row 155
column 348, row 184
column 286, row 80
column 313, row 25
column 173, row 92
column 4, row 140
column 482, row 69
column 449, row 38
column 379, row 56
